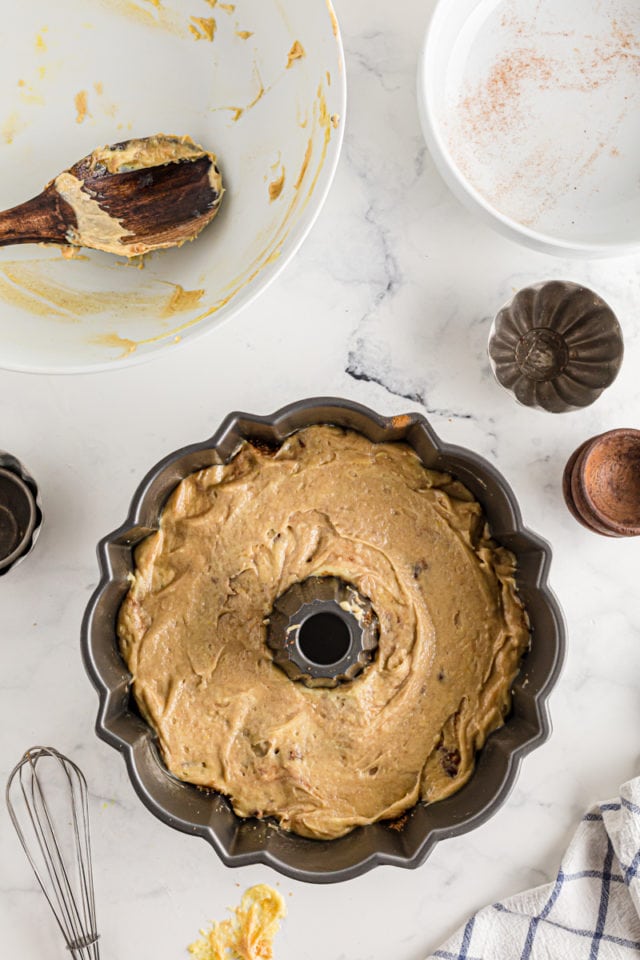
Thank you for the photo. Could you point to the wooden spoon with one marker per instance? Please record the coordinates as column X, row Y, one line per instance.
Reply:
column 127, row 199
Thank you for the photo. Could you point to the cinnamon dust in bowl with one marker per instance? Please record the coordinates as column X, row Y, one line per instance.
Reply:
column 541, row 114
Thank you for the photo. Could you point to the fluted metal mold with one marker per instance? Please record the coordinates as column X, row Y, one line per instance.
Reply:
column 239, row 841
column 307, row 599
column 27, row 529
column 556, row 346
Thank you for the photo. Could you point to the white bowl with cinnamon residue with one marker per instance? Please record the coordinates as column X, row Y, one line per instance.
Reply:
column 260, row 83
column 531, row 111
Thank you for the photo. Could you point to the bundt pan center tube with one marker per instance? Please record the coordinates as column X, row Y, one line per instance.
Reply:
column 290, row 634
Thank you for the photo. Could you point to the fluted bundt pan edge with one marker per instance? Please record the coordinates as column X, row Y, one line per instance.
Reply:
column 238, row 841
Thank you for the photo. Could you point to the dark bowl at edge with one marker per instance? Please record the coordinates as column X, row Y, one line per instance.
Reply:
column 239, row 841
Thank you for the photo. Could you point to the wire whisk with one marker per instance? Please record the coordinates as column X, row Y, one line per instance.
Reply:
column 47, row 802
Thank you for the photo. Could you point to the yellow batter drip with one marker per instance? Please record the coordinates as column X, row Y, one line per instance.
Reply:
column 249, row 934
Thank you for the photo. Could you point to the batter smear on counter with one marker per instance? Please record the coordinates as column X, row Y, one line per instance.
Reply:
column 327, row 503
column 249, row 933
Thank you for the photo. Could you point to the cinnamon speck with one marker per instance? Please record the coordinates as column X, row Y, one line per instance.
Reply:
column 494, row 102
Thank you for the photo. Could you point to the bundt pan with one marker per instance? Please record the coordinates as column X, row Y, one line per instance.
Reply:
column 238, row 841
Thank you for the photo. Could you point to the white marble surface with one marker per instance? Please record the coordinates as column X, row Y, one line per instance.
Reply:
column 389, row 302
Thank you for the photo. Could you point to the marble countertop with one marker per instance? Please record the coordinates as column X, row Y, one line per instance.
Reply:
column 389, row 302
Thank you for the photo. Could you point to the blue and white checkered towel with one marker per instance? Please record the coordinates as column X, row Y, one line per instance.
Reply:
column 590, row 912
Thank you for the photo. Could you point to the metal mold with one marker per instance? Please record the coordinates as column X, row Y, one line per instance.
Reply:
column 243, row 841
column 556, row 346
column 20, row 512
column 601, row 483
column 350, row 632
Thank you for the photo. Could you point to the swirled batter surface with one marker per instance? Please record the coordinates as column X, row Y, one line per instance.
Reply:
column 327, row 503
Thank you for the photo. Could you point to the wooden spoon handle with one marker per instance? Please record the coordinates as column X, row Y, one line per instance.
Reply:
column 45, row 218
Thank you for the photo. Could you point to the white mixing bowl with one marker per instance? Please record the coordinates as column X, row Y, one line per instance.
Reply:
column 261, row 83
column 531, row 111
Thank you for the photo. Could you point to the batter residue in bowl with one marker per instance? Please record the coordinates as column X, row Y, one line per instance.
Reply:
column 328, row 502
